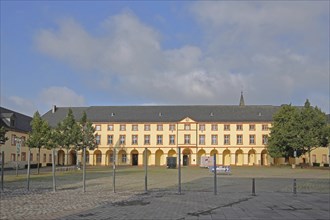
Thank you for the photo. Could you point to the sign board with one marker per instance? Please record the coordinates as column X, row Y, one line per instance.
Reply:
column 18, row 148
column 206, row 161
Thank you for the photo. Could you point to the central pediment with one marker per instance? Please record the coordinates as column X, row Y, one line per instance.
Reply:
column 187, row 120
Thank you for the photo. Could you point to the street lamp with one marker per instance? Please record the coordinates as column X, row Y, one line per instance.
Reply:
column 18, row 150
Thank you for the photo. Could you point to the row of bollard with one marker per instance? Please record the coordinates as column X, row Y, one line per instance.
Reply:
column 294, row 188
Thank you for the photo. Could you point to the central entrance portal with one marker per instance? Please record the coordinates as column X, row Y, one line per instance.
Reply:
column 135, row 159
column 185, row 161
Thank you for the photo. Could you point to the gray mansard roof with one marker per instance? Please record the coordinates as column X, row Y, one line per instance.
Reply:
column 12, row 120
column 199, row 113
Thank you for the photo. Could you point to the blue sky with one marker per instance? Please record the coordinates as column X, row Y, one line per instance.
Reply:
column 149, row 53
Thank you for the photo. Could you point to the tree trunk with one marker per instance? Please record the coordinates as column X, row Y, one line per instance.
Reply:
column 28, row 170
column 38, row 161
column 309, row 157
column 53, row 169
column 67, row 157
column 84, row 169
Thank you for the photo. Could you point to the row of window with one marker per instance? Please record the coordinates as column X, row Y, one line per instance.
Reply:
column 15, row 140
column 24, row 157
column 187, row 139
column 172, row 127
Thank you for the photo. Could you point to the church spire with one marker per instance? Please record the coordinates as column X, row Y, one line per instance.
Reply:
column 241, row 101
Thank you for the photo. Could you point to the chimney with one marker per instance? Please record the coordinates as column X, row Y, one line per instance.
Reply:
column 54, row 109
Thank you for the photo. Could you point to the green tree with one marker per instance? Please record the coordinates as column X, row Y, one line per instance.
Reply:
column 3, row 137
column 86, row 139
column 312, row 129
column 297, row 129
column 69, row 133
column 39, row 134
column 54, row 139
column 284, row 136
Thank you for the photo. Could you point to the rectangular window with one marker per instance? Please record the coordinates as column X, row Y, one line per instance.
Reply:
column 239, row 127
column 324, row 158
column 50, row 158
column 123, row 158
column 159, row 139
column 202, row 127
column 264, row 139
column 147, row 127
column 23, row 156
column 31, row 156
column 252, row 139
column 214, row 139
column 134, row 139
column 13, row 157
column 38, row 157
column 314, row 158
column 23, row 141
column 45, row 158
column 201, row 139
column 214, row 127
column 252, row 127
column 226, row 139
column 172, row 127
column 123, row 127
column 226, row 127
column 98, row 139
column 159, row 127
column 87, row 157
column 110, row 127
column 146, row 139
column 239, row 139
column 110, row 139
column 186, row 139
column 97, row 127
column 265, row 127
column 172, row 139
column 187, row 127
column 13, row 139
column 135, row 127
column 122, row 139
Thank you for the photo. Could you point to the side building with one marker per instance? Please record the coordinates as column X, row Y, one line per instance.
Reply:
column 236, row 134
column 15, row 150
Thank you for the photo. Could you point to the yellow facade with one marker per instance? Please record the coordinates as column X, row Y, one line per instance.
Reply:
column 12, row 157
column 187, row 135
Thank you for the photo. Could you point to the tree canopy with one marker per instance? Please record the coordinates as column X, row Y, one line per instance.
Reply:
column 298, row 129
column 3, row 137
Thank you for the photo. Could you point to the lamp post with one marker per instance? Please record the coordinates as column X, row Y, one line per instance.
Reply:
column 18, row 150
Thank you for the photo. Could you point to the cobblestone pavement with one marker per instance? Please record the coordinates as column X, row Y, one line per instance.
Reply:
column 274, row 198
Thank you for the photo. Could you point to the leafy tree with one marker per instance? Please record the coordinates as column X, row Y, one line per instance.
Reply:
column 3, row 137
column 297, row 129
column 38, row 135
column 312, row 129
column 69, row 133
column 284, row 135
column 86, row 140
column 54, row 139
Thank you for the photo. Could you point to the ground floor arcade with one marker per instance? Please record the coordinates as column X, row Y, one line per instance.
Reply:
column 190, row 156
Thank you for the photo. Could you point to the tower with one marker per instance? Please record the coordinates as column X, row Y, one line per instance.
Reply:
column 241, row 101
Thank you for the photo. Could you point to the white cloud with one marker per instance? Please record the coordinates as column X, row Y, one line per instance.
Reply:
column 271, row 50
column 61, row 96
column 19, row 104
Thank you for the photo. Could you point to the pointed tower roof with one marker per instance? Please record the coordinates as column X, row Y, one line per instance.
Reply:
column 241, row 101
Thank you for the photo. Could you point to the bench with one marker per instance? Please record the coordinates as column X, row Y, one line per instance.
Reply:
column 221, row 169
column 71, row 168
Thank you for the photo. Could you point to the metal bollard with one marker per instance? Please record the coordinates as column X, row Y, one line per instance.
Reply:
column 294, row 186
column 253, row 187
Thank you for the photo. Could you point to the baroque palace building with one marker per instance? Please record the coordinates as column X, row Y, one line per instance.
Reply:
column 236, row 134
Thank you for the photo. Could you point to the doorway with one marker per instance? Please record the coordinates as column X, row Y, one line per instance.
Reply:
column 135, row 159
column 185, row 161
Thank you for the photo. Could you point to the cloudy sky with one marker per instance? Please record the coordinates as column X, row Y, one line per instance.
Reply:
column 144, row 53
